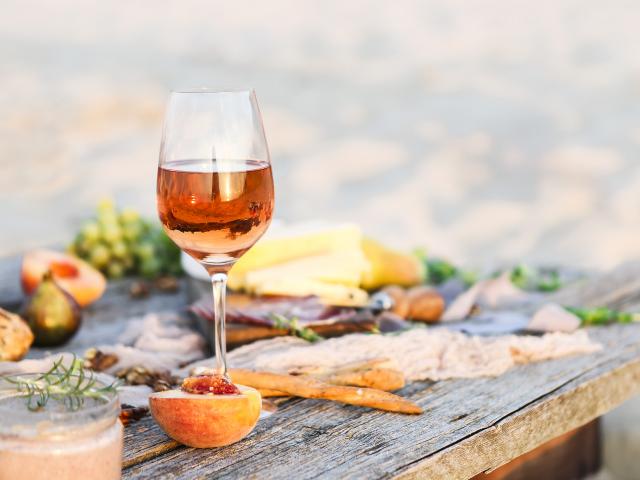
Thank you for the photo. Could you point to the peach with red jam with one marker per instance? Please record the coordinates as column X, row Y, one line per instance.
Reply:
column 215, row 384
column 79, row 279
column 208, row 411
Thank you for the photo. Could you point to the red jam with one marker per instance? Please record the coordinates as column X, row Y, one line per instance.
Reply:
column 214, row 384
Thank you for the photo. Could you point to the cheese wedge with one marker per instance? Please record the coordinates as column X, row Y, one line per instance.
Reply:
column 389, row 267
column 346, row 268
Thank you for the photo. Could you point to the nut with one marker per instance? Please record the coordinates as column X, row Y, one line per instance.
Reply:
column 425, row 304
column 138, row 289
column 400, row 300
column 167, row 284
column 15, row 336
column 99, row 361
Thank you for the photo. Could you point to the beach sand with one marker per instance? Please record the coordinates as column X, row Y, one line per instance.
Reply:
column 484, row 131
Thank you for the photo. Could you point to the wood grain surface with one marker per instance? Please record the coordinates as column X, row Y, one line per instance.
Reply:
column 469, row 426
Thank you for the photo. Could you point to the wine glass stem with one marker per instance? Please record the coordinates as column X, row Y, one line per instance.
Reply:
column 219, row 284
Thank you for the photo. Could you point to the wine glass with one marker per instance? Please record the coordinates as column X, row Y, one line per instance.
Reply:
column 214, row 189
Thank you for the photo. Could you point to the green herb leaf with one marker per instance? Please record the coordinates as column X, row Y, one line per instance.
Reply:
column 602, row 316
column 69, row 385
column 541, row 280
column 439, row 271
column 292, row 325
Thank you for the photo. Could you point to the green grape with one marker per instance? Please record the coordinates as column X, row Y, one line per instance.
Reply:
column 84, row 247
column 111, row 233
column 146, row 227
column 119, row 249
column 150, row 267
column 132, row 231
column 106, row 205
column 128, row 261
column 129, row 215
column 99, row 255
column 90, row 231
column 88, row 244
column 115, row 270
column 121, row 242
column 145, row 251
column 108, row 219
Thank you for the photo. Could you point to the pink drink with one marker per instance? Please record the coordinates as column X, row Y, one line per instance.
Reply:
column 55, row 443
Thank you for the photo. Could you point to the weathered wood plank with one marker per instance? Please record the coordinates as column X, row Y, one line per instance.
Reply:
column 312, row 438
column 574, row 404
column 144, row 440
column 575, row 454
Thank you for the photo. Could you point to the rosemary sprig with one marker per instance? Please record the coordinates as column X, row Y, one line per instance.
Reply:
column 70, row 386
column 292, row 325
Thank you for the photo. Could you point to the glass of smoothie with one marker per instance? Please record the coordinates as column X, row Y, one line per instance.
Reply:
column 56, row 441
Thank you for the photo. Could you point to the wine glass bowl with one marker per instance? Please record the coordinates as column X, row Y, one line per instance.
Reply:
column 214, row 186
column 215, row 211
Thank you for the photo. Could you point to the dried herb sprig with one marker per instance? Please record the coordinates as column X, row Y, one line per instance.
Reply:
column 70, row 386
column 292, row 325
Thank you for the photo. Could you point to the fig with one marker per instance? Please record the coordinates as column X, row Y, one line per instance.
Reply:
column 52, row 314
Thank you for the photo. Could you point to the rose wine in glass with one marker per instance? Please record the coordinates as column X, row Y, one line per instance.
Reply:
column 214, row 186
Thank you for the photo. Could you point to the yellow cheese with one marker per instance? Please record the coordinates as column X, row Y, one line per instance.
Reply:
column 291, row 243
column 389, row 267
column 344, row 268
column 329, row 293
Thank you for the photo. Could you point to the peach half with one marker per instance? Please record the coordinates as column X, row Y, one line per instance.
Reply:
column 76, row 277
column 206, row 420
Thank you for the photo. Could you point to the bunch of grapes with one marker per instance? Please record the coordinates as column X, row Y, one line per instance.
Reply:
column 122, row 243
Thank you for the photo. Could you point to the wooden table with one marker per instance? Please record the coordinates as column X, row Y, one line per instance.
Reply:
column 469, row 426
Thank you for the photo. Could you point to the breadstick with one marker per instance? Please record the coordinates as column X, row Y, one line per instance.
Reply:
column 301, row 386
column 373, row 373
column 379, row 378
column 267, row 392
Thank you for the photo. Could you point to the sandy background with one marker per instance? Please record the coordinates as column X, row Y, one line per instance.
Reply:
column 484, row 130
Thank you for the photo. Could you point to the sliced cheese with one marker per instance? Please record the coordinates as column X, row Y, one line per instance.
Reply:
column 343, row 268
column 291, row 243
column 331, row 294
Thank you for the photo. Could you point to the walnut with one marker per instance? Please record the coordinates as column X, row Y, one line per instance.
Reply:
column 15, row 336
column 99, row 361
